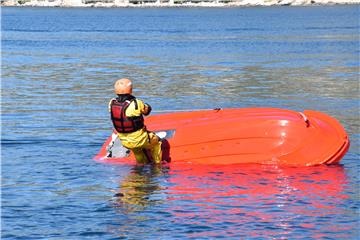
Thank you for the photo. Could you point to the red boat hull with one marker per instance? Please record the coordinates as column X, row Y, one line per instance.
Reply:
column 253, row 135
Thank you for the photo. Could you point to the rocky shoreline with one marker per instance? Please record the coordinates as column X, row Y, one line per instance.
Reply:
column 170, row 3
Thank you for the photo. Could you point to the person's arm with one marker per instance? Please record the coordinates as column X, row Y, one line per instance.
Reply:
column 138, row 108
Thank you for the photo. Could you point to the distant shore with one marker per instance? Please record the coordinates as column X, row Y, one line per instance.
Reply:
column 170, row 3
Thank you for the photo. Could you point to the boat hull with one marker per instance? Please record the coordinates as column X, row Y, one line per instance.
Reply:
column 248, row 135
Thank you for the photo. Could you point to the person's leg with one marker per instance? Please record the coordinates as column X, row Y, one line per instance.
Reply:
column 156, row 153
column 155, row 147
column 140, row 155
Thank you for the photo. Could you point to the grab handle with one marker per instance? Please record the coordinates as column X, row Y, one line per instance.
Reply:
column 306, row 120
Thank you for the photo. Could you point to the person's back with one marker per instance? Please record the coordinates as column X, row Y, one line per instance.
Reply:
column 127, row 117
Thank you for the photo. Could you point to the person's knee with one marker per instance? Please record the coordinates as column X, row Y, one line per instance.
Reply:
column 140, row 156
column 153, row 138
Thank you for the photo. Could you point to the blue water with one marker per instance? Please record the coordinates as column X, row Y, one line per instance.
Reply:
column 58, row 67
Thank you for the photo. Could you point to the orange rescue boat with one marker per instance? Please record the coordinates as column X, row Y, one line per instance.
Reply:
column 246, row 135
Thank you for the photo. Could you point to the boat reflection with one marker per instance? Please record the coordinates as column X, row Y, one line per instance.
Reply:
column 253, row 180
column 275, row 201
column 236, row 199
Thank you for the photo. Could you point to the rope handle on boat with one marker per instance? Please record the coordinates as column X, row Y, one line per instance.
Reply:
column 305, row 119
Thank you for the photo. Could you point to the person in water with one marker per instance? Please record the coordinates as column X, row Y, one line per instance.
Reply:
column 127, row 116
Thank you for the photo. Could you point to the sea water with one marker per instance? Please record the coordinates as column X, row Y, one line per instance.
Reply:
column 58, row 69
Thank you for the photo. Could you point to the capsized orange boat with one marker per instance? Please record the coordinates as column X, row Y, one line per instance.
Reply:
column 241, row 135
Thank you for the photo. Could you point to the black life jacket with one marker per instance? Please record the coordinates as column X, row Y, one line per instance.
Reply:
column 121, row 122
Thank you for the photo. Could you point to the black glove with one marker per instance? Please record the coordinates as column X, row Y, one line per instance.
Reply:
column 148, row 109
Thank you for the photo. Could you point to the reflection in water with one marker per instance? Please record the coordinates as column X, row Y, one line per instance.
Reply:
column 140, row 189
column 244, row 200
column 238, row 200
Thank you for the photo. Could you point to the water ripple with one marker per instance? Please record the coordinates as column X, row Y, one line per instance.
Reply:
column 58, row 68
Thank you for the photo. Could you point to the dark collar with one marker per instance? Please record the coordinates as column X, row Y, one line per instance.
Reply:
column 124, row 97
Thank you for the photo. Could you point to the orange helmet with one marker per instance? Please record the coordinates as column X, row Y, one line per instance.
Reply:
column 123, row 86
